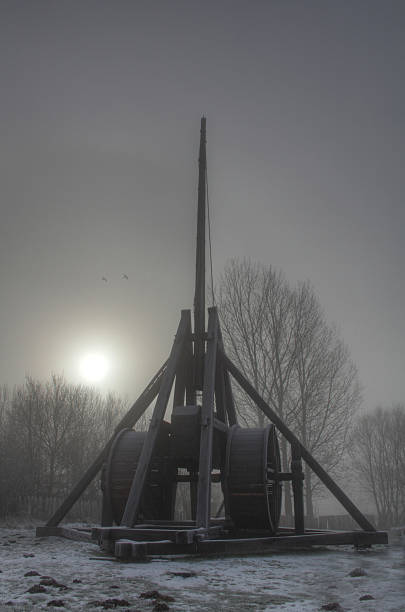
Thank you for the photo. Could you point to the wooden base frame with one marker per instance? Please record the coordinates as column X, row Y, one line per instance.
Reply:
column 143, row 541
column 129, row 550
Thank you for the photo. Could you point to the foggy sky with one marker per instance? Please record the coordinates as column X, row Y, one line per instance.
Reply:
column 99, row 116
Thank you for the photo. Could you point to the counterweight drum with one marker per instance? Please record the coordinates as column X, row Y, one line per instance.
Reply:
column 252, row 465
column 159, row 493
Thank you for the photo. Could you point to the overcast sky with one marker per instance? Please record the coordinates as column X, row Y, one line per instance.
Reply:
column 99, row 116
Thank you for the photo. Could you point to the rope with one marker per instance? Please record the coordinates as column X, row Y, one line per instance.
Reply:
column 209, row 237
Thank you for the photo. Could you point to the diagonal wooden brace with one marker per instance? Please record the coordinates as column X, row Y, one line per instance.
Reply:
column 138, row 482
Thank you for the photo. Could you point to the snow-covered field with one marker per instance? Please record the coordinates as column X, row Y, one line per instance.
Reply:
column 78, row 576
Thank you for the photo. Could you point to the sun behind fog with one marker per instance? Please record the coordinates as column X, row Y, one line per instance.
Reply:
column 94, row 367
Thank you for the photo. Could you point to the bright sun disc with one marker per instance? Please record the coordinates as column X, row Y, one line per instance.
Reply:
column 94, row 367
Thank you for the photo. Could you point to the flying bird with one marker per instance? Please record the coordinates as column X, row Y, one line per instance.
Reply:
column 125, row 276
column 104, row 279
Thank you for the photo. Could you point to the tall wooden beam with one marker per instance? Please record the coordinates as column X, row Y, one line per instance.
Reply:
column 230, row 404
column 207, row 424
column 220, row 397
column 191, row 399
column 199, row 295
column 229, row 401
column 138, row 482
column 306, row 455
column 129, row 420
column 183, row 368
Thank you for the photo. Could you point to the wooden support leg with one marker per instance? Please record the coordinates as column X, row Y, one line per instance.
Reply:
column 220, row 398
column 107, row 519
column 207, row 424
column 297, row 484
column 230, row 404
column 193, row 494
column 223, row 382
column 191, row 399
column 138, row 483
column 129, row 420
column 292, row 439
column 183, row 367
column 220, row 402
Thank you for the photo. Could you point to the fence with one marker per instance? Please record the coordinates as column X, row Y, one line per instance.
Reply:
column 40, row 507
column 340, row 522
column 88, row 509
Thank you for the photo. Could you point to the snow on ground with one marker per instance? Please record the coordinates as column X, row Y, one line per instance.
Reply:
column 84, row 578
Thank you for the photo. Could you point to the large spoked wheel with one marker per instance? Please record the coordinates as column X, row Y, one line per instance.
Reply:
column 252, row 487
column 159, row 493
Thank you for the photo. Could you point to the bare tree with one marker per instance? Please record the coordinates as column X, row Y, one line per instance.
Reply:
column 255, row 310
column 378, row 452
column 24, row 448
column 49, row 433
column 7, row 470
column 279, row 338
column 326, row 391
column 257, row 316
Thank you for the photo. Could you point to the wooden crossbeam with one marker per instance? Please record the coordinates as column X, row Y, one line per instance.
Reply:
column 181, row 535
column 138, row 482
column 129, row 420
column 267, row 544
column 207, row 423
column 305, row 454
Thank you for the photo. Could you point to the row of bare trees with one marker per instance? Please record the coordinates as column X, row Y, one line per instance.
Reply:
column 278, row 335
column 378, row 453
column 49, row 433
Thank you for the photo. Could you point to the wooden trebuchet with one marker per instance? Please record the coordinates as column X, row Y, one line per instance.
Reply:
column 201, row 444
